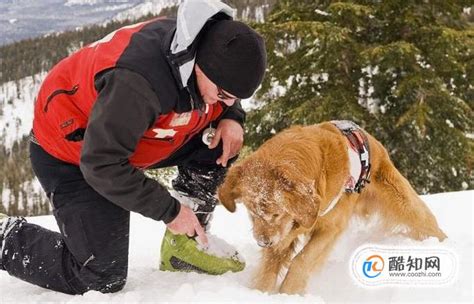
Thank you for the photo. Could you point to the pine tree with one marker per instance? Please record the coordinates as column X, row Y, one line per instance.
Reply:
column 403, row 70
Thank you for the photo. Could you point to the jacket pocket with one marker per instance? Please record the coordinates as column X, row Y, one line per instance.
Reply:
column 52, row 96
column 61, row 109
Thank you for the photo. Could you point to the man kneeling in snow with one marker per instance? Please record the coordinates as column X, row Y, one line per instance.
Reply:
column 156, row 94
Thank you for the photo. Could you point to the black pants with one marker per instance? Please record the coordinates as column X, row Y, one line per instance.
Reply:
column 91, row 252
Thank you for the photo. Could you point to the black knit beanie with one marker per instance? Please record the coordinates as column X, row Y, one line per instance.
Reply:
column 233, row 56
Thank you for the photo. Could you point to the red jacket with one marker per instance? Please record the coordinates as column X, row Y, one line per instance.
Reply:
column 68, row 94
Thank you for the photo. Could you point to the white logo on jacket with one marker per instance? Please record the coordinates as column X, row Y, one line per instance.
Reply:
column 163, row 133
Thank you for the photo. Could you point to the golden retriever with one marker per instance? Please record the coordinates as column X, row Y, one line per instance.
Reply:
column 288, row 183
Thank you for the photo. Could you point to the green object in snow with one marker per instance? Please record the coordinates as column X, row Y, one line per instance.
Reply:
column 181, row 253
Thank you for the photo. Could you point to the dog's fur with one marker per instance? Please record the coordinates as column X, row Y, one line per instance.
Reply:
column 293, row 177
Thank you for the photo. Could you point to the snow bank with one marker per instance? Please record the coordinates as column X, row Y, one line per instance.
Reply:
column 334, row 283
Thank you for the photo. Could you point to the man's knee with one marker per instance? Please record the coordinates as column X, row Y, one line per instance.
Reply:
column 107, row 276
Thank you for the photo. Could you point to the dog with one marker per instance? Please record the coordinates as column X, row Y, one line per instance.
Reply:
column 295, row 187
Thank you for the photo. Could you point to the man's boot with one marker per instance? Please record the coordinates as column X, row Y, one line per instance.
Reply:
column 7, row 225
column 195, row 188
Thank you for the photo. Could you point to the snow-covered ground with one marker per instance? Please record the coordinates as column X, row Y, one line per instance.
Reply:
column 334, row 283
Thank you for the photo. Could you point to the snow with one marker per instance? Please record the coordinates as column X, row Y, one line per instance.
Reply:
column 317, row 11
column 249, row 104
column 333, row 283
column 81, row 2
column 260, row 14
column 142, row 9
column 219, row 247
column 366, row 90
column 16, row 108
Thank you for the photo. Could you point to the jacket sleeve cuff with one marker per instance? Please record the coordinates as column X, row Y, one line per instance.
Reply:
column 235, row 113
column 172, row 212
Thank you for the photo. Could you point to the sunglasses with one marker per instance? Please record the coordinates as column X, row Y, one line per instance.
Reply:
column 223, row 95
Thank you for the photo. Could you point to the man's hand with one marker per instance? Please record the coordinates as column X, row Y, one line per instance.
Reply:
column 232, row 135
column 187, row 223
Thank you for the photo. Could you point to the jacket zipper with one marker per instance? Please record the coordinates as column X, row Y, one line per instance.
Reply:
column 171, row 140
column 57, row 92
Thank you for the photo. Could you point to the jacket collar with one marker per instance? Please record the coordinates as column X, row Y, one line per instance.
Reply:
column 192, row 17
column 180, row 45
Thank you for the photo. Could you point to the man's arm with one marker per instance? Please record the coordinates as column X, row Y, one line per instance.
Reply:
column 125, row 108
column 235, row 112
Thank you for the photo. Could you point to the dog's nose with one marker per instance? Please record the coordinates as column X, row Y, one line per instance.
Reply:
column 264, row 242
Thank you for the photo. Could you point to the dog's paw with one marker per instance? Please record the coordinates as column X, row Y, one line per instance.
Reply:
column 292, row 288
column 264, row 288
column 264, row 285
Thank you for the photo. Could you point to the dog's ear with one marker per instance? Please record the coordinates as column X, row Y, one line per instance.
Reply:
column 230, row 189
column 301, row 200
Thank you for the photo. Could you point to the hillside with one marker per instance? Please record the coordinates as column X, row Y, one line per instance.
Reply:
column 327, row 60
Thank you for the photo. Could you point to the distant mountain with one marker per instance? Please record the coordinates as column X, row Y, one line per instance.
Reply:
column 22, row 19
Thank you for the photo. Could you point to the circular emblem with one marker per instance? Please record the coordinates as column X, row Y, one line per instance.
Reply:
column 208, row 135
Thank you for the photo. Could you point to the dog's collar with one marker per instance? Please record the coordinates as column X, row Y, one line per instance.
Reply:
column 359, row 155
column 359, row 160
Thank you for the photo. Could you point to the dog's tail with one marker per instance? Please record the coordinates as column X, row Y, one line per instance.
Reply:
column 400, row 206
